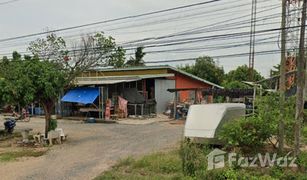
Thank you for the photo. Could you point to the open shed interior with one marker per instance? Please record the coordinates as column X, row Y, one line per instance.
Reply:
column 140, row 95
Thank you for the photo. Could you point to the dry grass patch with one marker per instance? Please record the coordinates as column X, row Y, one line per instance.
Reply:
column 14, row 155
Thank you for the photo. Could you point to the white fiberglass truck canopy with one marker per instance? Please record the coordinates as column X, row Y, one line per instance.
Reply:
column 205, row 120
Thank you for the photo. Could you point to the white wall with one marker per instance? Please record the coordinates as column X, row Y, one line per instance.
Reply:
column 162, row 96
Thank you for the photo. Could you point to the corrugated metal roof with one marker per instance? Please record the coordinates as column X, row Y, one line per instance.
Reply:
column 158, row 67
column 116, row 79
column 102, row 82
column 108, row 69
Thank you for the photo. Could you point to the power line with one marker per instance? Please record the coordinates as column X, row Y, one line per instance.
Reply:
column 111, row 20
column 227, row 28
column 201, row 29
column 224, row 3
column 197, row 39
column 155, row 22
column 8, row 2
column 215, row 57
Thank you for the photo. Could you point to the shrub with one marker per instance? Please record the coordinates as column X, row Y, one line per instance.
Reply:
column 53, row 124
column 229, row 173
column 194, row 160
column 302, row 161
column 304, row 133
column 251, row 133
column 248, row 133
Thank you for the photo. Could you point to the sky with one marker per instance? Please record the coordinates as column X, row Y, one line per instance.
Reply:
column 22, row 17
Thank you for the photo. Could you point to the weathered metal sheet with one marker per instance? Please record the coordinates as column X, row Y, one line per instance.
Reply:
column 162, row 96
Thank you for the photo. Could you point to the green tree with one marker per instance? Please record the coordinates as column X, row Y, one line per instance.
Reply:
column 14, row 89
column 90, row 52
column 47, row 82
column 207, row 69
column 33, row 80
column 117, row 59
column 275, row 71
column 52, row 69
column 235, row 85
column 241, row 74
column 234, row 78
column 138, row 59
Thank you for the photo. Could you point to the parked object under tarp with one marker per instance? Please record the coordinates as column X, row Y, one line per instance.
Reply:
column 81, row 95
column 133, row 96
column 205, row 121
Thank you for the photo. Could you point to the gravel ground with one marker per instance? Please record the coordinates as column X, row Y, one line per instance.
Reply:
column 90, row 149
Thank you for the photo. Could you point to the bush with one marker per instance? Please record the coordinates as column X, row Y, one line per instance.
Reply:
column 53, row 124
column 193, row 156
column 304, row 133
column 229, row 173
column 251, row 133
column 302, row 161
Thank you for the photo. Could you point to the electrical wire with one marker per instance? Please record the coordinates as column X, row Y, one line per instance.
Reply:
column 8, row 2
column 111, row 20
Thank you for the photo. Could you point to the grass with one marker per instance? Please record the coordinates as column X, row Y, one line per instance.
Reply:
column 5, row 136
column 166, row 165
column 305, row 133
column 12, row 156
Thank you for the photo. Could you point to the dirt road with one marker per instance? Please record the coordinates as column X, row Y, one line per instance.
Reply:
column 90, row 149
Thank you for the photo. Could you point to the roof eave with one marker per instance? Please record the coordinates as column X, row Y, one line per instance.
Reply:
column 195, row 77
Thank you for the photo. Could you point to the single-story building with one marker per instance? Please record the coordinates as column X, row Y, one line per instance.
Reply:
column 138, row 85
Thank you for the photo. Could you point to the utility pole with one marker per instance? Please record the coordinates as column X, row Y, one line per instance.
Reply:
column 282, row 80
column 252, row 40
column 299, row 113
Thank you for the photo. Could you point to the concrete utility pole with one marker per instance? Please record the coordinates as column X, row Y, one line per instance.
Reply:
column 252, row 40
column 299, row 113
column 282, row 80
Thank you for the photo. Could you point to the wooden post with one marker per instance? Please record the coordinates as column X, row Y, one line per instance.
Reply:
column 254, row 98
column 100, row 106
column 195, row 97
column 175, row 104
column 32, row 109
column 299, row 113
column 282, row 80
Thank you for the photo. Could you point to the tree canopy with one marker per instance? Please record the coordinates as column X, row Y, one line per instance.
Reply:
column 137, row 60
column 233, row 79
column 207, row 69
column 241, row 74
column 14, row 80
column 52, row 68
column 27, row 80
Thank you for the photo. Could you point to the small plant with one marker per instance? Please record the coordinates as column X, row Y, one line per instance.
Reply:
column 302, row 161
column 53, row 124
column 250, row 134
column 194, row 158
column 304, row 133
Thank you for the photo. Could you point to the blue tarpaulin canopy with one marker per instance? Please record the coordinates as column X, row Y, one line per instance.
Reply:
column 81, row 95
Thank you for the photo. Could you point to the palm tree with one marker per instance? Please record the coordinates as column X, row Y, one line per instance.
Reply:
column 138, row 59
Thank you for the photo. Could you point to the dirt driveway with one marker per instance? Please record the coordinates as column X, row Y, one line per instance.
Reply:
column 90, row 149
